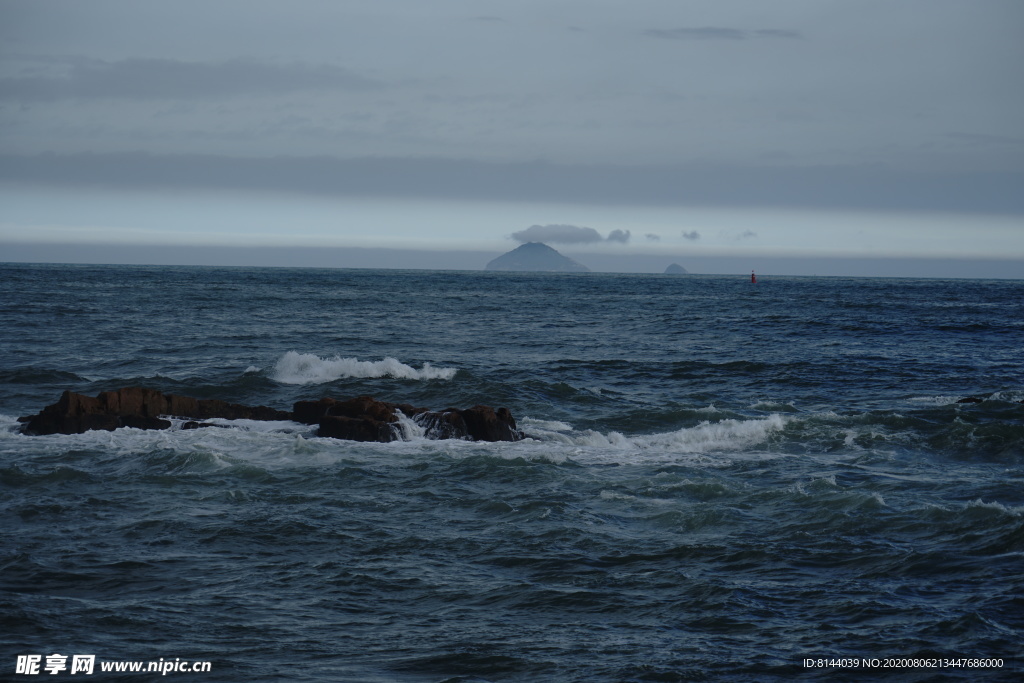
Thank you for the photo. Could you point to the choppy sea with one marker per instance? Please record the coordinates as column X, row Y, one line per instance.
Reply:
column 721, row 479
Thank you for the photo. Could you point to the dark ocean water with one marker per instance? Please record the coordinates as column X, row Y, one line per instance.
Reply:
column 721, row 480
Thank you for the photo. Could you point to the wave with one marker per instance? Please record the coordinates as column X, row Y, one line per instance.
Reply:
column 1007, row 396
column 940, row 400
column 37, row 375
column 307, row 368
column 873, row 435
column 284, row 445
column 706, row 437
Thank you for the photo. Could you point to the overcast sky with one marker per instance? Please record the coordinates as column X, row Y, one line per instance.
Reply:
column 653, row 131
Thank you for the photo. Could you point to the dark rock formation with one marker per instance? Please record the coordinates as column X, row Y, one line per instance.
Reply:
column 484, row 423
column 479, row 423
column 366, row 419
column 971, row 399
column 444, row 424
column 359, row 419
column 134, row 407
column 676, row 269
column 536, row 256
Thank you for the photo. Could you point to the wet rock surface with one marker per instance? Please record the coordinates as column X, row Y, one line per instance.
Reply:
column 363, row 418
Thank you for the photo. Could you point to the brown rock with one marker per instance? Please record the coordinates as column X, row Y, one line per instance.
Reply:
column 446, row 424
column 356, row 429
column 210, row 408
column 486, row 424
column 133, row 407
column 183, row 406
column 132, row 401
column 363, row 418
column 311, row 412
column 479, row 423
column 365, row 407
column 71, row 414
column 144, row 422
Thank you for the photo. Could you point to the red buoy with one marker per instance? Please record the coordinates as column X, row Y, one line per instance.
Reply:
column 753, row 278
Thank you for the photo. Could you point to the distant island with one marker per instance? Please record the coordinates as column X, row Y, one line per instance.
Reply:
column 676, row 269
column 536, row 256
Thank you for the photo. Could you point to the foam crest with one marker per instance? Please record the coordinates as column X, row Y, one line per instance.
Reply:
column 9, row 425
column 706, row 437
column 978, row 503
column 934, row 400
column 307, row 368
column 532, row 424
column 283, row 444
column 407, row 429
column 716, row 436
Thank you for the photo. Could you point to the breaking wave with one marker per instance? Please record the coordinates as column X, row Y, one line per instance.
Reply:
column 307, row 368
column 725, row 435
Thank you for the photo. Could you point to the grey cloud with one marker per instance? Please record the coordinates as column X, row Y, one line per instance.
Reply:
column 563, row 234
column 986, row 139
column 692, row 235
column 704, row 33
column 778, row 33
column 719, row 33
column 866, row 187
column 746, row 235
column 619, row 236
column 149, row 79
column 653, row 237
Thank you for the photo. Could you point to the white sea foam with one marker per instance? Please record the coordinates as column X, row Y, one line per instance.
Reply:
column 408, row 430
column 706, row 437
column 281, row 426
column 9, row 425
column 267, row 444
column 307, row 368
column 529, row 423
column 992, row 505
column 285, row 444
column 716, row 436
column 773, row 406
column 935, row 400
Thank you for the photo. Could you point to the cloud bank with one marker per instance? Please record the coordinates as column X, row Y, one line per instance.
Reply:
column 559, row 234
column 861, row 187
column 721, row 33
column 154, row 79
column 569, row 234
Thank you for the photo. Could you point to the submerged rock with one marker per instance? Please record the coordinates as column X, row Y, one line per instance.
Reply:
column 363, row 418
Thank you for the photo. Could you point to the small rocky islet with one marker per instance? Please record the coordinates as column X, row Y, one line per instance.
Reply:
column 363, row 418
